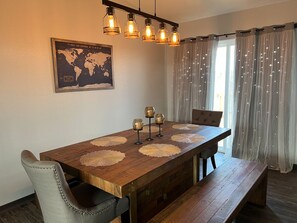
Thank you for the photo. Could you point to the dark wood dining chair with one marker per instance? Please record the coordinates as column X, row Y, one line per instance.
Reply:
column 212, row 118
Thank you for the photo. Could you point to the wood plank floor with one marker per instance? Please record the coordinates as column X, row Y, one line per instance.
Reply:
column 25, row 212
column 281, row 203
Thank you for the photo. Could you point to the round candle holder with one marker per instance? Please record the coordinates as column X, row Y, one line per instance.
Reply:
column 149, row 113
column 138, row 126
column 159, row 120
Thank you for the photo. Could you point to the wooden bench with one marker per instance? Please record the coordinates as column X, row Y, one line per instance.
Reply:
column 221, row 195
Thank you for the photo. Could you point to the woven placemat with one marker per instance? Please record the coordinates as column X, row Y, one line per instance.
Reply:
column 187, row 138
column 153, row 129
column 109, row 141
column 102, row 158
column 159, row 150
column 185, row 126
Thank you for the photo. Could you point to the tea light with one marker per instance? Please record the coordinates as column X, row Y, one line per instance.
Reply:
column 149, row 112
column 159, row 119
column 137, row 124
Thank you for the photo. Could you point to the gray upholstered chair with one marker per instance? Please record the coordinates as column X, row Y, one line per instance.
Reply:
column 59, row 203
column 212, row 118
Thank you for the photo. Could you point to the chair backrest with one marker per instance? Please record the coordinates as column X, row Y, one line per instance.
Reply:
column 205, row 117
column 55, row 198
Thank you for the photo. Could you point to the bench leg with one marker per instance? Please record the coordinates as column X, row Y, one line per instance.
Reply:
column 259, row 195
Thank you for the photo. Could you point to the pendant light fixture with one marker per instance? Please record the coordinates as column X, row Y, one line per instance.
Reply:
column 111, row 26
column 162, row 36
column 148, row 33
column 174, row 39
column 110, row 23
column 131, row 30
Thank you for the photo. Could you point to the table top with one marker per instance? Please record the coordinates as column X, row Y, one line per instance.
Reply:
column 136, row 169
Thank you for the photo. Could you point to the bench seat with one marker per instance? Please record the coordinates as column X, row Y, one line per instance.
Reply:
column 221, row 195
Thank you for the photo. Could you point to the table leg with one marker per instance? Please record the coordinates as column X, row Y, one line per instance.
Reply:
column 133, row 207
column 196, row 169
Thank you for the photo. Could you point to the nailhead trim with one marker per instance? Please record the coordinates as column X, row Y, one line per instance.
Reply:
column 66, row 200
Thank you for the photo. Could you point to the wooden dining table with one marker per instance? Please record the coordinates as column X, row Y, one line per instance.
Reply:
column 150, row 182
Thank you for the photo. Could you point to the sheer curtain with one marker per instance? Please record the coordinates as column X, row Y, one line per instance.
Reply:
column 265, row 110
column 193, row 74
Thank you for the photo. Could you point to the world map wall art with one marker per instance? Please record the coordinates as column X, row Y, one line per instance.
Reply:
column 81, row 66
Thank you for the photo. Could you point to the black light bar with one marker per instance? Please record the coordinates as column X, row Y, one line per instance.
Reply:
column 138, row 12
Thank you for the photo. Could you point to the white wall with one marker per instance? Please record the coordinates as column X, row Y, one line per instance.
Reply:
column 263, row 16
column 32, row 115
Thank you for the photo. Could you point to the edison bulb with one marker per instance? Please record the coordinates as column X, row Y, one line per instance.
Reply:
column 148, row 31
column 174, row 38
column 111, row 21
column 131, row 27
column 162, row 35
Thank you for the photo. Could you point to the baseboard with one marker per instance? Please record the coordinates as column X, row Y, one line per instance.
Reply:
column 20, row 201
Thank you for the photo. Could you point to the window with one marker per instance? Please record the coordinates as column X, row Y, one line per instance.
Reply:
column 223, row 90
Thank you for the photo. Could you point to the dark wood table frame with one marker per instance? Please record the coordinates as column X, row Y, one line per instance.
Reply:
column 136, row 170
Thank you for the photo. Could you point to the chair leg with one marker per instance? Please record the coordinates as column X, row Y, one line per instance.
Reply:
column 204, row 168
column 125, row 217
column 213, row 162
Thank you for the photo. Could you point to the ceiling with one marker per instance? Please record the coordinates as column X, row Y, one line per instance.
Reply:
column 188, row 10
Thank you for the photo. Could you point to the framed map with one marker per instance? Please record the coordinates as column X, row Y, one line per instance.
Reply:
column 81, row 66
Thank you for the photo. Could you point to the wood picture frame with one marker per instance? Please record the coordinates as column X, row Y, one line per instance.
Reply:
column 80, row 66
